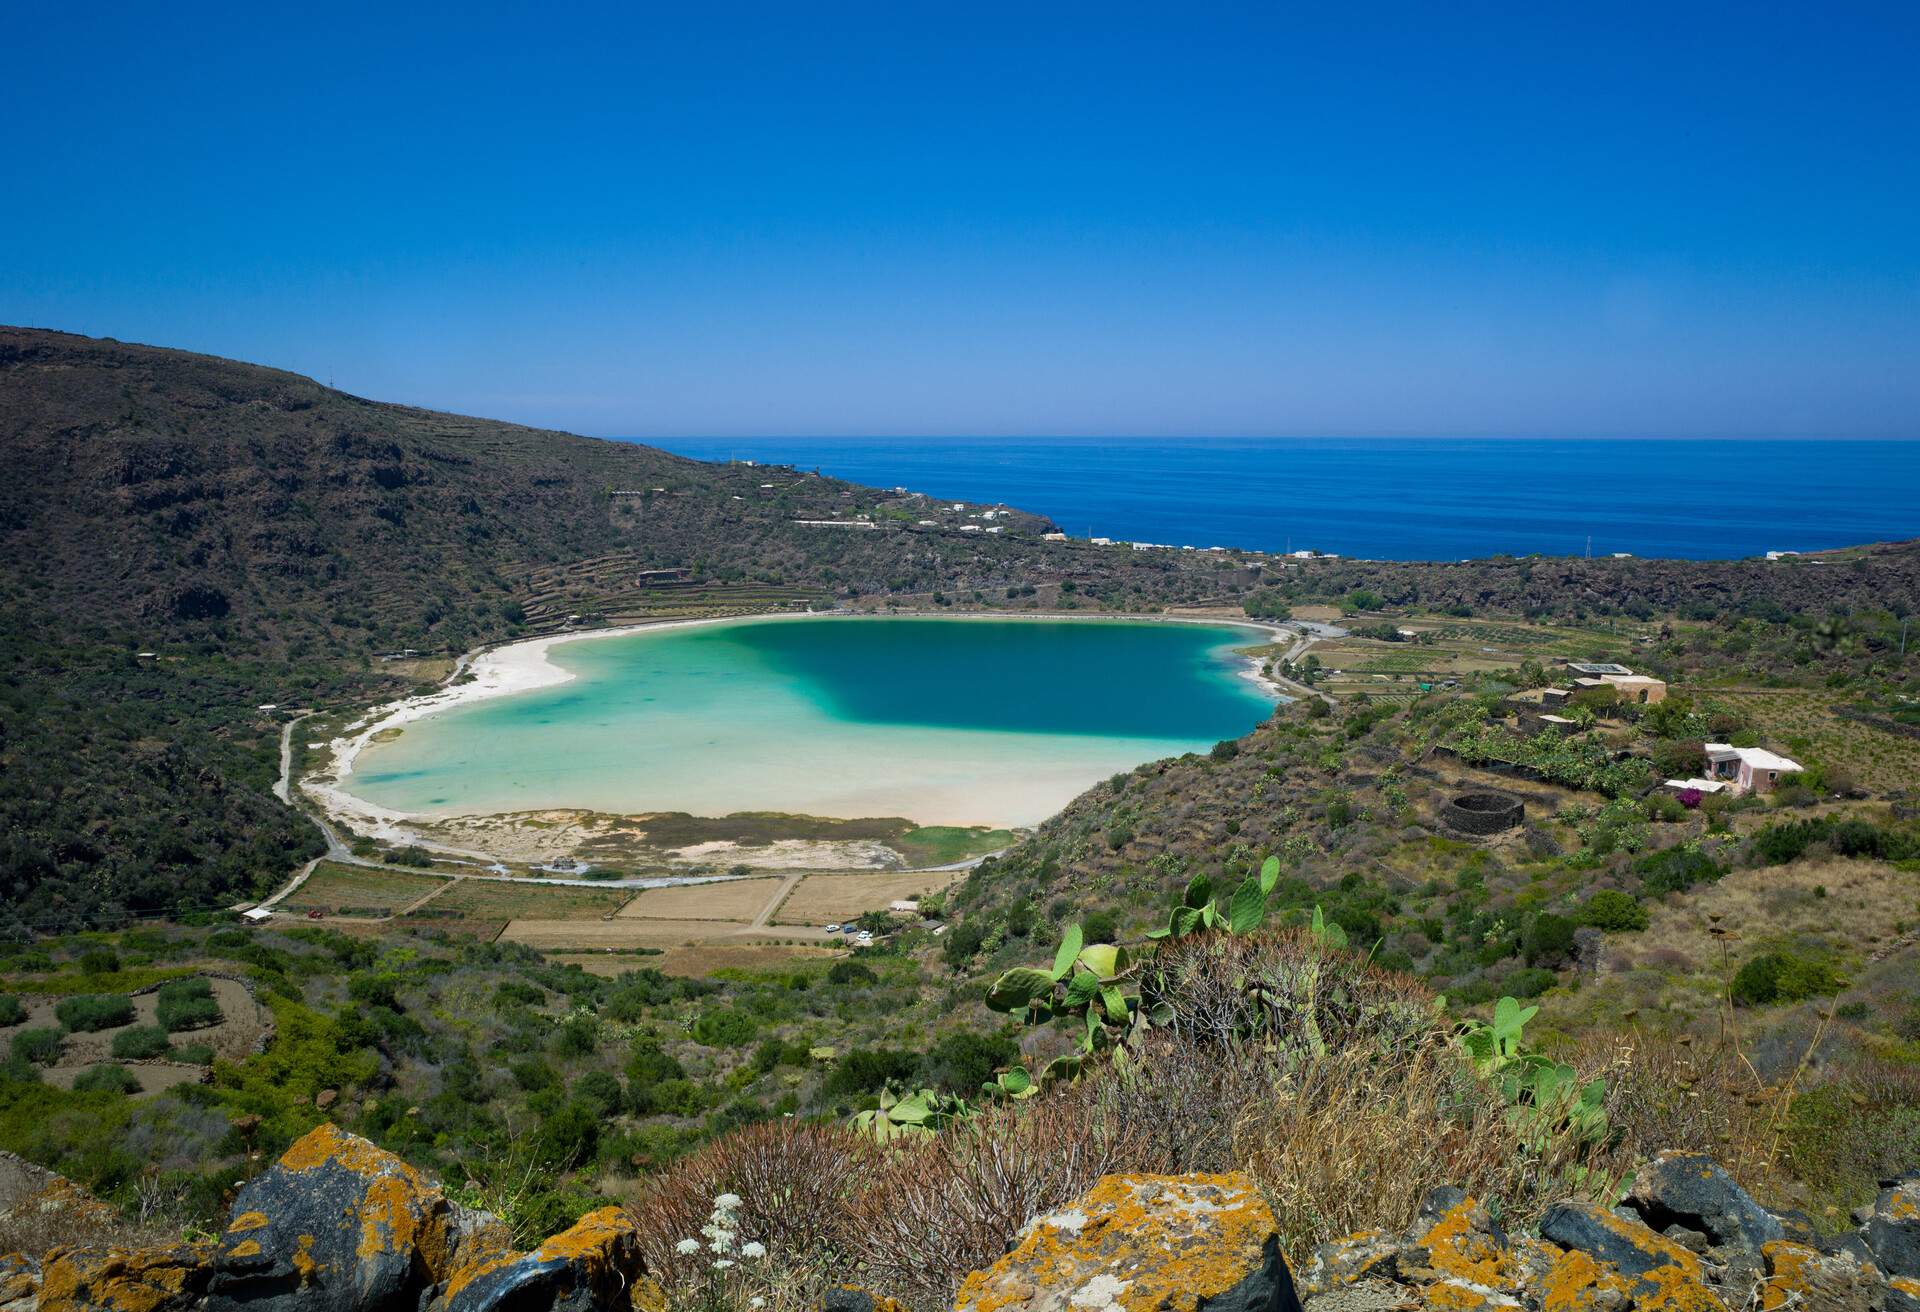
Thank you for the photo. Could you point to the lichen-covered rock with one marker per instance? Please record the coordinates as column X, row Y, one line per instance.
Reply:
column 1144, row 1243
column 849, row 1298
column 1457, row 1239
column 1692, row 1190
column 1626, row 1257
column 1903, row 1294
column 337, row 1225
column 1801, row 1276
column 1365, row 1255
column 19, row 1283
column 1892, row 1231
column 116, row 1280
column 593, row 1267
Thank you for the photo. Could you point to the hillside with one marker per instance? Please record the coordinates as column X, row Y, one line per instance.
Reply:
column 193, row 546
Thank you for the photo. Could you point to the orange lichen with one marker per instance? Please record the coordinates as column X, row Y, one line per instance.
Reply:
column 1576, row 1282
column 141, row 1280
column 245, row 1248
column 303, row 1260
column 1135, row 1242
column 1460, row 1249
column 248, row 1221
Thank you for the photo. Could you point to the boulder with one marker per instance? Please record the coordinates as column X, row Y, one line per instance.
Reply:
column 849, row 1298
column 123, row 1280
column 1144, row 1243
column 1892, row 1230
column 1365, row 1255
column 1610, row 1254
column 1801, row 1276
column 1460, row 1254
column 1903, row 1294
column 19, row 1283
column 1693, row 1191
column 338, row 1225
column 595, row 1266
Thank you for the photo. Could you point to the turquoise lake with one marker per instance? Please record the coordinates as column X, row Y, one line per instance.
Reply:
column 958, row 721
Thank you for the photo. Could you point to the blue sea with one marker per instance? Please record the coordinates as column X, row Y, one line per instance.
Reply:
column 1401, row 498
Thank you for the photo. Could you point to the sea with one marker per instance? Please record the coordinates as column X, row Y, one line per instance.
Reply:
column 940, row 721
column 1400, row 498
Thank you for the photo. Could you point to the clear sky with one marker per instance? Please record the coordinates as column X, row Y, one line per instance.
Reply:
column 1448, row 219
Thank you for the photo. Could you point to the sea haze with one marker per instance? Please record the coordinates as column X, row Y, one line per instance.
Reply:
column 942, row 721
column 1401, row 498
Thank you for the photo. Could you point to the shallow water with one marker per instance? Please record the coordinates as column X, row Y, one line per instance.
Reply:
column 941, row 721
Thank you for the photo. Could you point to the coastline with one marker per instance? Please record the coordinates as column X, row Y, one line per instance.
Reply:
column 525, row 666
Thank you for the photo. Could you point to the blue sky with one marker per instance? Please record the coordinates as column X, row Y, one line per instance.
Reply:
column 1469, row 219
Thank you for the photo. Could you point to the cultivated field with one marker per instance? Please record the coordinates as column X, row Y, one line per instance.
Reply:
column 829, row 899
column 499, row 899
column 357, row 890
column 186, row 1059
column 734, row 900
column 1878, row 760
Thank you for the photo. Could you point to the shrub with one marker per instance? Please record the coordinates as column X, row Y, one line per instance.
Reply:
column 533, row 1074
column 851, row 973
column 106, row 1079
column 94, row 1011
column 194, row 1054
column 567, row 1137
column 11, row 1012
column 868, row 1070
column 40, row 1045
column 187, row 1004
column 725, row 1029
column 1780, row 977
column 139, row 1042
column 576, row 1037
column 963, row 1061
column 1676, row 869
column 1100, row 927
column 1528, row 982
column 99, row 961
column 1613, row 910
column 1548, row 939
column 519, row 993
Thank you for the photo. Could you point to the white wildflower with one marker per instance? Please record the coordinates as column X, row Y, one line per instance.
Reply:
column 756, row 1301
column 722, row 1264
column 687, row 1246
column 753, row 1250
column 726, row 1202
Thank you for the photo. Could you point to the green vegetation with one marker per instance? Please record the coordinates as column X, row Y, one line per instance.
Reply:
column 95, row 1012
column 140, row 1042
column 187, row 1004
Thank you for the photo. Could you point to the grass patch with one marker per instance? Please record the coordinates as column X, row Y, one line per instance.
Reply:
column 940, row 845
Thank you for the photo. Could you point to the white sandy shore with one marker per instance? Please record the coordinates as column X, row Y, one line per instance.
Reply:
column 524, row 666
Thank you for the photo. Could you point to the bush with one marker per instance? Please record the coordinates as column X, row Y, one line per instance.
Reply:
column 725, row 1029
column 1781, row 977
column 1549, row 939
column 99, row 961
column 106, row 1079
column 187, row 1004
column 854, row 973
column 963, row 1061
column 94, row 1011
column 1676, row 869
column 11, row 1012
column 1612, row 910
column 1528, row 982
column 1100, row 927
column 140, row 1042
column 576, row 1037
column 868, row 1070
column 40, row 1046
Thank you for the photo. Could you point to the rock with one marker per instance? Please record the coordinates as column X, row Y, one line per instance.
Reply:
column 1798, row 1227
column 1692, row 1190
column 1365, row 1255
column 1621, row 1256
column 1134, row 1243
column 337, row 1225
column 1903, row 1294
column 1801, row 1276
column 325, row 1098
column 593, row 1267
column 119, row 1280
column 1892, row 1230
column 1455, row 1243
column 847, row 1298
column 19, row 1283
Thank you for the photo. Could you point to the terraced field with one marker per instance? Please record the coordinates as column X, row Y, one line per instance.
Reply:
column 358, row 890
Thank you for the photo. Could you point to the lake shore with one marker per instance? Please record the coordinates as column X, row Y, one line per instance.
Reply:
column 526, row 665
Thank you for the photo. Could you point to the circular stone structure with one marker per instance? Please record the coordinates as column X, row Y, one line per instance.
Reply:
column 1483, row 813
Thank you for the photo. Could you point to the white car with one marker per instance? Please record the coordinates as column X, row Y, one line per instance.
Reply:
column 833, row 929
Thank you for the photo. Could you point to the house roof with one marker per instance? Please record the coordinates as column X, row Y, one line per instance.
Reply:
column 1598, row 667
column 1759, row 758
column 1698, row 785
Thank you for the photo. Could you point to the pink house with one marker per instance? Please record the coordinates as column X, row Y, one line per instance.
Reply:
column 1748, row 769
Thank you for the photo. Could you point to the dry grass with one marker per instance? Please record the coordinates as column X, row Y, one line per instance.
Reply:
column 586, row 935
column 830, row 899
column 738, row 899
column 1882, row 762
